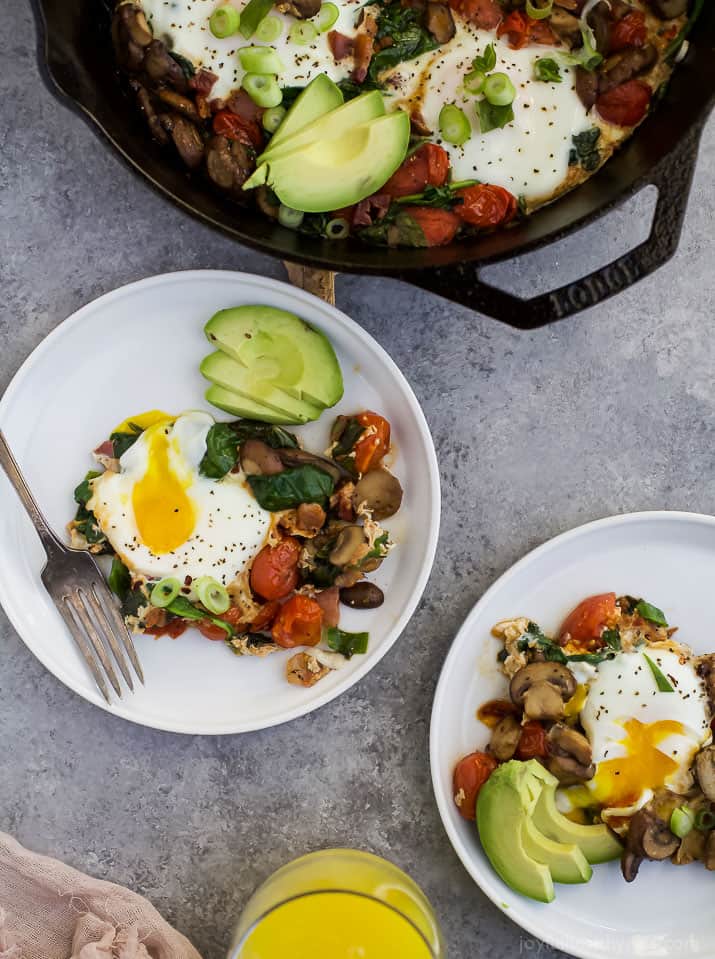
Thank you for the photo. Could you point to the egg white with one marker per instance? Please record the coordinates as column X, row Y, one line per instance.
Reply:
column 228, row 528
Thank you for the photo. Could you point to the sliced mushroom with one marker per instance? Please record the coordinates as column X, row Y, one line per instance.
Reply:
column 439, row 21
column 505, row 738
column 350, row 546
column 709, row 852
column 147, row 108
column 600, row 21
column 228, row 163
column 586, row 86
column 566, row 25
column 310, row 517
column 570, row 758
column 301, row 9
column 705, row 769
column 131, row 35
column 294, row 457
column 186, row 137
column 181, row 104
column 160, row 66
column 630, row 864
column 690, row 849
column 542, row 689
column 648, row 838
column 418, row 124
column 626, row 65
column 380, row 491
column 259, row 459
column 669, row 9
column 362, row 595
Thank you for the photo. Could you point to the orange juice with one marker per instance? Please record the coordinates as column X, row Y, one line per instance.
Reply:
column 338, row 904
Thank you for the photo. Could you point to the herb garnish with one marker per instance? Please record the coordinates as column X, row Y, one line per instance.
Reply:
column 651, row 613
column 661, row 681
column 493, row 117
column 547, row 70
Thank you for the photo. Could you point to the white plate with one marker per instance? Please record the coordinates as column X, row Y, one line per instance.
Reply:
column 138, row 348
column 670, row 559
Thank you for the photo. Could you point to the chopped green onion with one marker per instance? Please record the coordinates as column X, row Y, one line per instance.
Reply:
column 326, row 17
column 289, row 217
column 212, row 594
column 224, row 21
column 661, row 681
column 273, row 118
column 165, row 592
column 337, row 229
column 474, row 81
column 454, row 125
column 269, row 29
column 682, row 821
column 704, row 820
column 302, row 32
column 262, row 89
column 252, row 14
column 499, row 90
column 547, row 70
column 260, row 60
column 651, row 613
column 537, row 12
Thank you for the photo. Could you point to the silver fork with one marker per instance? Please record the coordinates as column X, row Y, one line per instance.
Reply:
column 80, row 593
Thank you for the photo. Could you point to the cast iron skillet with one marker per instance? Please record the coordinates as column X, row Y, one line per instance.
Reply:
column 663, row 153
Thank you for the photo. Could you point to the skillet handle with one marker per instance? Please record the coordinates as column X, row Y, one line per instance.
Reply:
column 462, row 283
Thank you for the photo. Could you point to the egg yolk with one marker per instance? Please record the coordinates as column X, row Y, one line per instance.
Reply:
column 142, row 420
column 620, row 782
column 164, row 513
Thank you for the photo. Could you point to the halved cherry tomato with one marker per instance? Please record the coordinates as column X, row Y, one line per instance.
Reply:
column 210, row 631
column 486, row 205
column 532, row 742
column 370, row 450
column 428, row 166
column 485, row 14
column 174, row 628
column 470, row 774
column 234, row 617
column 265, row 617
column 626, row 104
column 274, row 572
column 438, row 226
column 298, row 623
column 629, row 31
column 588, row 620
column 520, row 29
column 228, row 124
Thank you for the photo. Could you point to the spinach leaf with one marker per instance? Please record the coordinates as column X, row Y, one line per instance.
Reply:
column 347, row 643
column 83, row 492
column 487, row 61
column 85, row 522
column 651, row 613
column 492, row 117
column 348, row 438
column 302, row 484
column 121, row 442
column 186, row 610
column 547, row 70
column 186, row 65
column 409, row 38
column 661, row 681
column 442, row 197
column 612, row 639
column 379, row 548
column 585, row 149
column 221, row 451
column 133, row 601
column 119, row 580
column 397, row 229
column 270, row 434
column 350, row 89
column 553, row 653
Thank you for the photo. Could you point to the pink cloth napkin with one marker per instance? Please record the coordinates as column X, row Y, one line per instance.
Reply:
column 51, row 911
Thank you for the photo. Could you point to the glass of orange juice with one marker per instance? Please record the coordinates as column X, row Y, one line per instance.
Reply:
column 338, row 904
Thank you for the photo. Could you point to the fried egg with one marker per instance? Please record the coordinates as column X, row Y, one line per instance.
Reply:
column 643, row 739
column 163, row 518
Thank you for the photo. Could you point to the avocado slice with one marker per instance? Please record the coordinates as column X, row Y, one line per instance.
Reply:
column 566, row 862
column 597, row 842
column 297, row 359
column 330, row 126
column 329, row 175
column 231, row 402
column 318, row 98
column 247, row 381
column 504, row 804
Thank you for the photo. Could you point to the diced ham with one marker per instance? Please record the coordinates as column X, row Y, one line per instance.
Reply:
column 373, row 208
column 328, row 600
column 203, row 81
column 340, row 45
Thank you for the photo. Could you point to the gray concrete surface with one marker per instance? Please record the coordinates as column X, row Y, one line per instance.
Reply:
column 607, row 412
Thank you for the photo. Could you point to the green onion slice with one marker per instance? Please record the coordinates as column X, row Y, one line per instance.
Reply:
column 499, row 90
column 704, row 820
column 269, row 29
column 212, row 594
column 661, row 680
column 337, row 229
column 262, row 89
column 165, row 592
column 260, row 60
column 682, row 821
column 539, row 11
column 252, row 14
column 474, row 82
column 454, row 125
column 273, row 118
column 289, row 217
column 326, row 17
column 224, row 21
column 302, row 32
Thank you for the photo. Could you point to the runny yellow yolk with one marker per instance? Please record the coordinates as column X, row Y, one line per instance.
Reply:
column 619, row 782
column 142, row 420
column 164, row 512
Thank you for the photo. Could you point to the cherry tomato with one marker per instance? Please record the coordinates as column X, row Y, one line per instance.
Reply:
column 298, row 623
column 274, row 573
column 485, row 14
column 532, row 742
column 174, row 628
column 228, row 124
column 427, row 166
column 629, row 31
column 626, row 104
column 520, row 29
column 438, row 226
column 234, row 617
column 470, row 774
column 540, row 32
column 437, row 163
column 486, row 205
column 265, row 617
column 210, row 631
column 588, row 620
column 370, row 450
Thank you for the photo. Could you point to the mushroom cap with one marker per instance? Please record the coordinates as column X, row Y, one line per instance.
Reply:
column 705, row 769
column 556, row 674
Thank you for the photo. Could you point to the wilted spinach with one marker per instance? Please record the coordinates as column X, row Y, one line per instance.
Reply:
column 224, row 439
column 409, row 38
column 396, row 229
column 553, row 653
column 119, row 580
column 121, row 442
column 303, row 484
column 651, row 613
column 183, row 608
column 492, row 117
column 585, row 149
column 85, row 522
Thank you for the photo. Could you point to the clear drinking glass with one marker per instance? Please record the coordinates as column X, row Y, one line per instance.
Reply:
column 338, row 904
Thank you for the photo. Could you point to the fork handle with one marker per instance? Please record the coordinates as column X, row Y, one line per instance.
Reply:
column 9, row 464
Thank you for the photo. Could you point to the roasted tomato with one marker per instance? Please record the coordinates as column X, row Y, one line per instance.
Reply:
column 233, row 127
column 298, row 623
column 629, row 31
column 519, row 29
column 274, row 573
column 587, row 621
column 438, row 226
column 626, row 104
column 485, row 205
column 265, row 617
column 532, row 742
column 174, row 628
column 372, row 447
column 485, row 14
column 210, row 630
column 428, row 166
column 470, row 774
